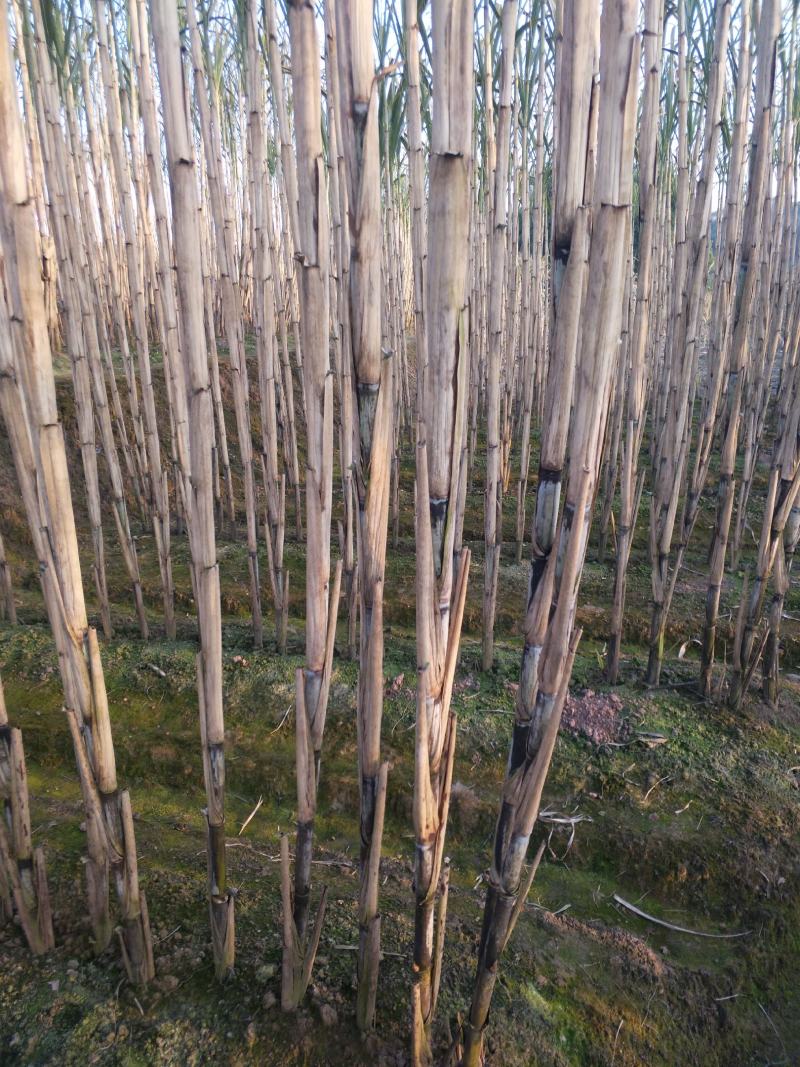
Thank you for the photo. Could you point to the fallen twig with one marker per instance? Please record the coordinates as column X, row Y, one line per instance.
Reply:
column 572, row 821
column 772, row 1024
column 666, row 778
column 166, row 937
column 283, row 720
column 249, row 818
column 234, row 843
column 384, row 954
column 541, row 907
column 672, row 926
column 616, row 1038
column 651, row 739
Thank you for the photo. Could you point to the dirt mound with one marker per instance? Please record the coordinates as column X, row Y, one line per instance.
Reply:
column 636, row 952
column 595, row 716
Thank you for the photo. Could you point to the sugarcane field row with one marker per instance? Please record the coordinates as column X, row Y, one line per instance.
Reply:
column 399, row 499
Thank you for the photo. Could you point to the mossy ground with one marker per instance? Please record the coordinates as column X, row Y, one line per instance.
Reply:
column 713, row 846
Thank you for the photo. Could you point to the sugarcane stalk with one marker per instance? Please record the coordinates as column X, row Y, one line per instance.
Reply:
column 27, row 397
column 23, row 878
column 372, row 381
column 637, row 366
column 671, row 448
column 232, row 308
column 158, row 499
column 8, row 606
column 342, row 339
column 736, row 358
column 197, row 471
column 495, row 348
column 443, row 385
column 551, row 640
column 264, row 316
